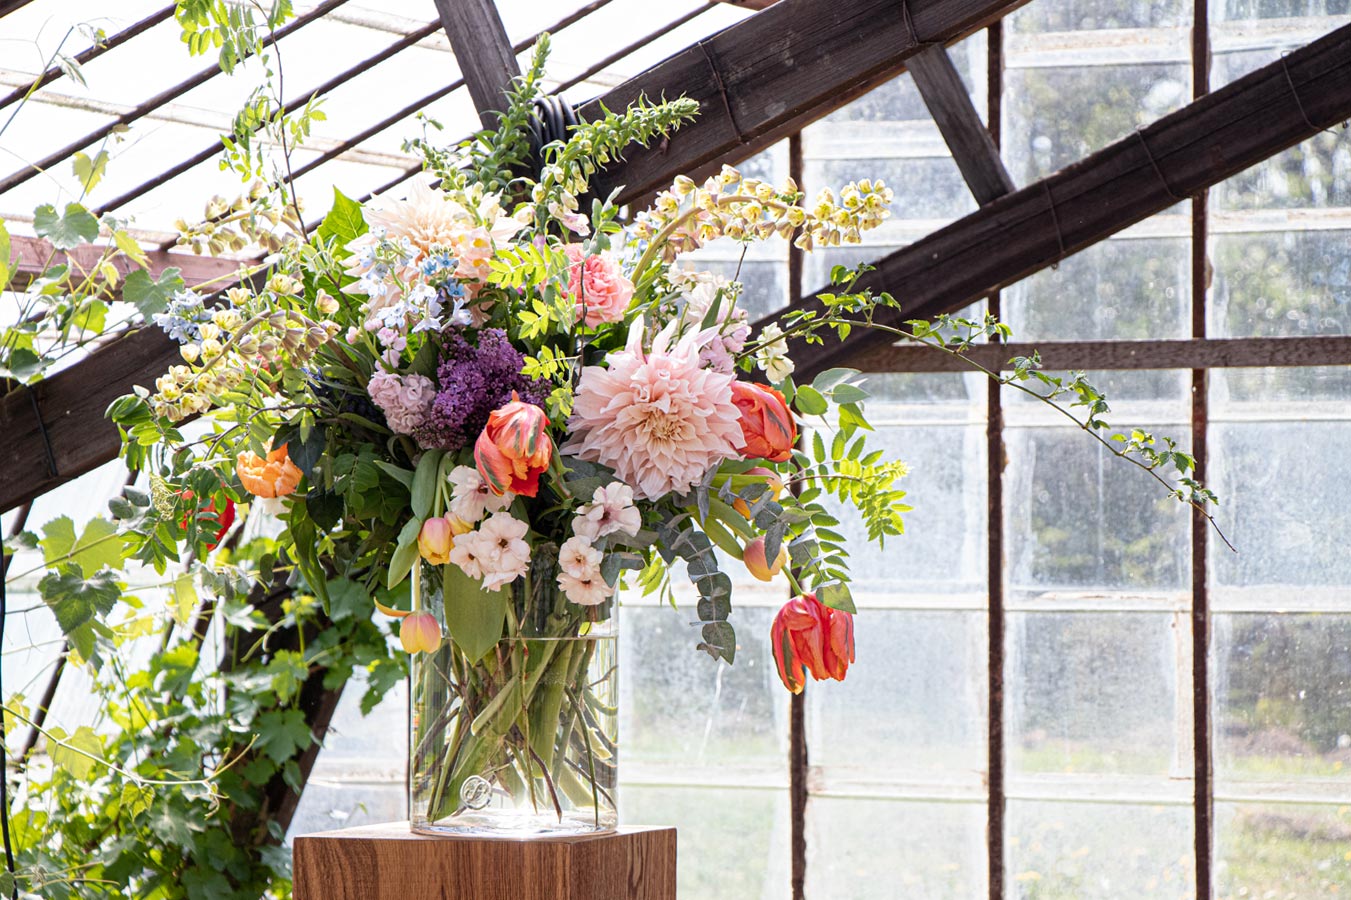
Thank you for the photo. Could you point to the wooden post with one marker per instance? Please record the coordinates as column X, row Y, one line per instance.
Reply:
column 483, row 51
column 388, row 862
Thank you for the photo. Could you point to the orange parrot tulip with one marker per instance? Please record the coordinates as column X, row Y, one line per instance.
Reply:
column 809, row 636
column 275, row 476
column 514, row 448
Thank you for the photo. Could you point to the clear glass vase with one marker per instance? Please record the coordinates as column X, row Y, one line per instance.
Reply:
column 515, row 723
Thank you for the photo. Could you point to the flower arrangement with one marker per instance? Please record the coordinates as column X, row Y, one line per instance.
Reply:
column 484, row 405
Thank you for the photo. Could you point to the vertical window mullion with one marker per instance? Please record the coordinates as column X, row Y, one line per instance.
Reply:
column 1201, row 713
column 797, row 732
column 994, row 529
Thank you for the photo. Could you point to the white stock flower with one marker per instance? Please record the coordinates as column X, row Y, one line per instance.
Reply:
column 471, row 496
column 772, row 358
column 611, row 509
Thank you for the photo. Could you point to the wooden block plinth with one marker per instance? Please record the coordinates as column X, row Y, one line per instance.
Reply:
column 388, row 862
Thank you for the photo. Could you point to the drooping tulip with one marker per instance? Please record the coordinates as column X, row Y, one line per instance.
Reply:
column 772, row 480
column 809, row 636
column 766, row 422
column 514, row 448
column 275, row 476
column 756, row 563
column 420, row 632
column 435, row 540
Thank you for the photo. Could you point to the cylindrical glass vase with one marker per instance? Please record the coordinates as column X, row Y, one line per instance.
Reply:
column 515, row 720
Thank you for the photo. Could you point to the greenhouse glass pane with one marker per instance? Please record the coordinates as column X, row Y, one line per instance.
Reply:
column 1135, row 288
column 1092, row 851
column 358, row 777
column 1289, row 514
column 1076, row 518
column 733, row 839
column 1283, row 702
column 1097, row 694
column 913, row 709
column 1282, row 851
column 867, row 849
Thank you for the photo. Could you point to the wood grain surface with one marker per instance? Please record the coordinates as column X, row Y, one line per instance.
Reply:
column 388, row 862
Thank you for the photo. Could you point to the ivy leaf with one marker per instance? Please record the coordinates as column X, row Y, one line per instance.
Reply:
column 346, row 599
column 72, row 228
column 151, row 295
column 75, row 601
column 67, row 755
column 90, row 171
column 99, row 545
column 282, row 733
column 344, row 221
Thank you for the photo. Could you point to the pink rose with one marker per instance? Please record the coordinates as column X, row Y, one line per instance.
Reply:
column 599, row 287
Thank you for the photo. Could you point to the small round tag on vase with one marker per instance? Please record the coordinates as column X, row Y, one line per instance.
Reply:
column 476, row 792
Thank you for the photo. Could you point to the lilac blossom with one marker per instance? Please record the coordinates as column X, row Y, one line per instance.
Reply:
column 472, row 381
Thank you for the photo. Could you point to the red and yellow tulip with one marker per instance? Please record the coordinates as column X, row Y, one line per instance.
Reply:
column 766, row 422
column 808, row 636
column 514, row 448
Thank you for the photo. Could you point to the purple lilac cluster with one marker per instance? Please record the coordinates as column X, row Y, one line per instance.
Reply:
column 472, row 381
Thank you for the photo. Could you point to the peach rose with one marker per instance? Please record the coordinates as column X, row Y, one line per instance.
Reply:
column 598, row 287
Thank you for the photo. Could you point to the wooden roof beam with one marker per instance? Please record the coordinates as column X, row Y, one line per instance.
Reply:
column 973, row 148
column 483, row 51
column 32, row 256
column 1194, row 148
column 767, row 76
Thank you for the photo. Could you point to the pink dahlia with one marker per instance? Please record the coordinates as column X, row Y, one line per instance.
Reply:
column 597, row 286
column 657, row 418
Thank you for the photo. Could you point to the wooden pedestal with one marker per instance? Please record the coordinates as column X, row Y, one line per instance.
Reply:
column 388, row 862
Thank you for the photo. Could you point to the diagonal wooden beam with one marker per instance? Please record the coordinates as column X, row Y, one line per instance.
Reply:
column 32, row 256
column 1194, row 148
column 483, row 52
column 973, row 149
column 772, row 73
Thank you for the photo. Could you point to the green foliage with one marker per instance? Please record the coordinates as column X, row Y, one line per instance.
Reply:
column 68, row 229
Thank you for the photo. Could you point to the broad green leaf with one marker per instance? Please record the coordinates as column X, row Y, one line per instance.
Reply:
column 66, row 751
column 75, row 601
column 136, row 799
column 151, row 295
column 128, row 245
column 831, row 377
column 424, row 482
column 99, row 545
column 24, row 363
column 398, row 473
column 405, row 553
column 347, row 599
column 90, row 171
column 848, row 393
column 282, row 733
column 344, row 222
column 810, row 401
column 72, row 228
column 184, row 598
column 474, row 617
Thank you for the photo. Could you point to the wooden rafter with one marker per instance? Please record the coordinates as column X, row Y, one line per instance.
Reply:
column 483, row 51
column 973, row 149
column 769, row 75
column 32, row 256
column 1194, row 148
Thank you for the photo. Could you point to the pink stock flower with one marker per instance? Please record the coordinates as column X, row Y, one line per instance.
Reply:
column 658, row 418
column 580, row 576
column 611, row 509
column 598, row 287
column 404, row 399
